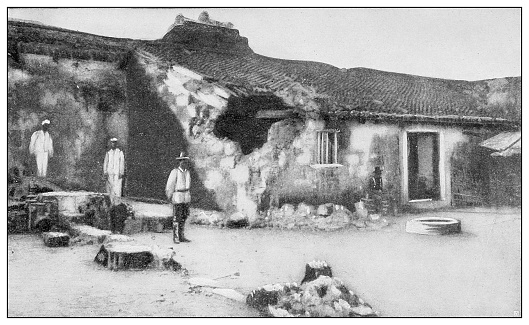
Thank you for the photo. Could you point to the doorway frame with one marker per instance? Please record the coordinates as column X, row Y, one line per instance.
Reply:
column 405, row 199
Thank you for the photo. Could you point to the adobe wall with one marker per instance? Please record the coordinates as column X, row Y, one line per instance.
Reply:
column 86, row 104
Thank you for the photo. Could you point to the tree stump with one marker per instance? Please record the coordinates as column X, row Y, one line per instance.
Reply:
column 124, row 256
column 314, row 269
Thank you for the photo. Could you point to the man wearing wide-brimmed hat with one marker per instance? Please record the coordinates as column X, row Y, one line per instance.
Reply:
column 41, row 145
column 177, row 191
column 113, row 169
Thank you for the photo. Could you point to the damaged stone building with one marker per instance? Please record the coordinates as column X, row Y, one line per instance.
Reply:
column 261, row 131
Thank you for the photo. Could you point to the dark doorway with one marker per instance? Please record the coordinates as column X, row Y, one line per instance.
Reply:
column 423, row 166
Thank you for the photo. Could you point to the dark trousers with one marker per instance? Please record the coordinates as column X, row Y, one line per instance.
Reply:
column 180, row 214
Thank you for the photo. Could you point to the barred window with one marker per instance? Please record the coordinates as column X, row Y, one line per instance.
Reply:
column 327, row 147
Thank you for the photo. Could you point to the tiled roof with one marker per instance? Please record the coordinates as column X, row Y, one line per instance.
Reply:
column 358, row 89
column 356, row 92
column 36, row 38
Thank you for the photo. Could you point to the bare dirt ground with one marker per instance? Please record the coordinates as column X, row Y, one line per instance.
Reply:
column 476, row 273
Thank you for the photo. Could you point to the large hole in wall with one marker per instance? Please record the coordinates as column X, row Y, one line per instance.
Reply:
column 239, row 123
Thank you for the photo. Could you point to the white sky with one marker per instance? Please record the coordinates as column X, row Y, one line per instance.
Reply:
column 467, row 44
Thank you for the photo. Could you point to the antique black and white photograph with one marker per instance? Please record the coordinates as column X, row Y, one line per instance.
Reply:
column 264, row 162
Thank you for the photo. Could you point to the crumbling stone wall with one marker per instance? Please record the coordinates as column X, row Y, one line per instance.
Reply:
column 279, row 169
column 86, row 104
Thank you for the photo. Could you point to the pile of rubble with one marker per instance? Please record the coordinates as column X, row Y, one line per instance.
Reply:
column 325, row 217
column 324, row 296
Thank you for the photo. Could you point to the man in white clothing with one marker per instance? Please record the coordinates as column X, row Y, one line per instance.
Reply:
column 41, row 145
column 177, row 191
column 114, row 168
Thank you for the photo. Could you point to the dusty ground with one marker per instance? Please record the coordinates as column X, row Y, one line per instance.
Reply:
column 477, row 273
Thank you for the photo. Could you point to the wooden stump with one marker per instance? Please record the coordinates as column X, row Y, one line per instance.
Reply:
column 124, row 256
column 55, row 239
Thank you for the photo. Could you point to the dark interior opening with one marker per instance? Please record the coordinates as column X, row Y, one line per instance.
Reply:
column 423, row 166
column 239, row 123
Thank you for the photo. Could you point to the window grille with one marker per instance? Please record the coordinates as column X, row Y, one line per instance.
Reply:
column 327, row 147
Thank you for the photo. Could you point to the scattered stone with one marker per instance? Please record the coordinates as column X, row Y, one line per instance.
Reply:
column 359, row 223
column 230, row 293
column 362, row 310
column 162, row 256
column 56, row 239
column 202, row 217
column 305, row 210
column 325, row 209
column 324, row 296
column 237, row 220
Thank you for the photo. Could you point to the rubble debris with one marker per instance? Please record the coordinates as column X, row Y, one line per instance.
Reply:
column 325, row 209
column 163, row 257
column 324, row 296
column 56, row 239
column 304, row 216
column 237, row 220
column 201, row 217
column 17, row 217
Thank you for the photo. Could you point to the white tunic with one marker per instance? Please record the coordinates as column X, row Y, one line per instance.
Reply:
column 114, row 162
column 114, row 167
column 41, row 142
column 178, row 185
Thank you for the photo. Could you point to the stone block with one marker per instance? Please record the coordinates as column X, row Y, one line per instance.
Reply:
column 325, row 209
column 55, row 239
column 237, row 220
column 288, row 210
column 230, row 148
column 132, row 226
column 228, row 162
column 88, row 235
column 162, row 256
column 305, row 210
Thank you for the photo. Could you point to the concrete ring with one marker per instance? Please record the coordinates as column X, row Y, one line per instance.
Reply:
column 433, row 226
